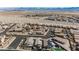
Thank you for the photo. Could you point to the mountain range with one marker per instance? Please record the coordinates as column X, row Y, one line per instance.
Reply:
column 40, row 9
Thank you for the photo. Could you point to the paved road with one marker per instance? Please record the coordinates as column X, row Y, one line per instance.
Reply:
column 7, row 29
column 15, row 43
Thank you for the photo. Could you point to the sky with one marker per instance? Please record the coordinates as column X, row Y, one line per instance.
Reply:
column 39, row 3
